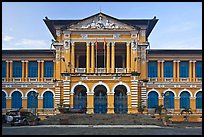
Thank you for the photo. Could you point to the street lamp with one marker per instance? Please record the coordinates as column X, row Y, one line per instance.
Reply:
column 35, row 98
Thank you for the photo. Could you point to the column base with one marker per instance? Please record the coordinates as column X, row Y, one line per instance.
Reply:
column 110, row 111
column 90, row 111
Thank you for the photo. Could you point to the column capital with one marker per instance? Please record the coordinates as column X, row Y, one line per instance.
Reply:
column 194, row 61
column 128, row 43
column 22, row 61
column 11, row 61
column 38, row 60
column 175, row 61
column 92, row 43
column 112, row 43
column 54, row 60
column 87, row 43
column 108, row 44
column 178, row 60
column 7, row 61
column 72, row 43
column 42, row 60
column 162, row 61
column 26, row 61
column 158, row 60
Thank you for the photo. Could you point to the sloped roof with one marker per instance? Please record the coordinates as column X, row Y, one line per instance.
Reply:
column 150, row 23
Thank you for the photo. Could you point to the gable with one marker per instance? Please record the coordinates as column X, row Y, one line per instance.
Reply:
column 100, row 22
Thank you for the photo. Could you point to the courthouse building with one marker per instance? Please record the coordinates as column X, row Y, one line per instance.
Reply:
column 105, row 65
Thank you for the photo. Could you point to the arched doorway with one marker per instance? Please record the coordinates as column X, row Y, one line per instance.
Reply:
column 16, row 100
column 185, row 100
column 32, row 100
column 100, row 99
column 152, row 99
column 48, row 100
column 169, row 100
column 199, row 100
column 3, row 99
column 80, row 97
column 120, row 99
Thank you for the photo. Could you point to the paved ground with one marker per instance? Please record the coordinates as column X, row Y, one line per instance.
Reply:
column 100, row 130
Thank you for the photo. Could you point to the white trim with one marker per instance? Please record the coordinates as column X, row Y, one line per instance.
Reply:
column 100, row 83
column 197, row 92
column 80, row 84
column 16, row 90
column 5, row 93
column 47, row 90
column 31, row 90
column 159, row 96
column 185, row 90
column 121, row 83
column 171, row 91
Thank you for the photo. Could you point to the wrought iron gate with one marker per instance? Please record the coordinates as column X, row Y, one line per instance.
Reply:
column 80, row 100
column 100, row 102
column 120, row 102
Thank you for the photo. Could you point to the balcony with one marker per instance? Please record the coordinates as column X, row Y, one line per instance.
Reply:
column 100, row 70
column 80, row 70
column 184, row 79
column 34, row 79
column 17, row 79
column 154, row 79
column 3, row 79
column 120, row 70
column 168, row 79
column 48, row 79
column 199, row 79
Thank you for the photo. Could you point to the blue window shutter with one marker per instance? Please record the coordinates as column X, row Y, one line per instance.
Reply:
column 48, row 68
column 168, row 69
column 184, row 69
column 32, row 69
column 16, row 99
column 32, row 102
column 199, row 100
column 17, row 69
column 152, row 69
column 3, row 99
column 199, row 69
column 169, row 100
column 48, row 100
column 3, row 69
column 185, row 100
column 152, row 99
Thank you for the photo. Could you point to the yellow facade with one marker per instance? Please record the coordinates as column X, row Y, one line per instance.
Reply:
column 121, row 74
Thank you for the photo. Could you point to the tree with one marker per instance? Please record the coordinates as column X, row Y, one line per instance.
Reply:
column 187, row 112
column 141, row 107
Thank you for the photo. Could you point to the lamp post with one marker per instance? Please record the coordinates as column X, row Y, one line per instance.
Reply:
column 35, row 98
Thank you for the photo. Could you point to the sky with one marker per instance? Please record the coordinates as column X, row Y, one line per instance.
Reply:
column 179, row 25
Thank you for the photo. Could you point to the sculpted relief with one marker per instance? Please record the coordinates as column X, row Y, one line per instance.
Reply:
column 100, row 22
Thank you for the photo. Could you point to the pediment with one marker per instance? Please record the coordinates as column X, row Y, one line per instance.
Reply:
column 100, row 22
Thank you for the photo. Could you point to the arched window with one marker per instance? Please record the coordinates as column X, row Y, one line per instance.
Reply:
column 152, row 99
column 185, row 100
column 32, row 99
column 3, row 99
column 16, row 99
column 199, row 100
column 169, row 100
column 48, row 100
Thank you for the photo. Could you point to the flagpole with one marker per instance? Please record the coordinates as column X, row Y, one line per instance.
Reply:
column 104, row 47
column 96, row 53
